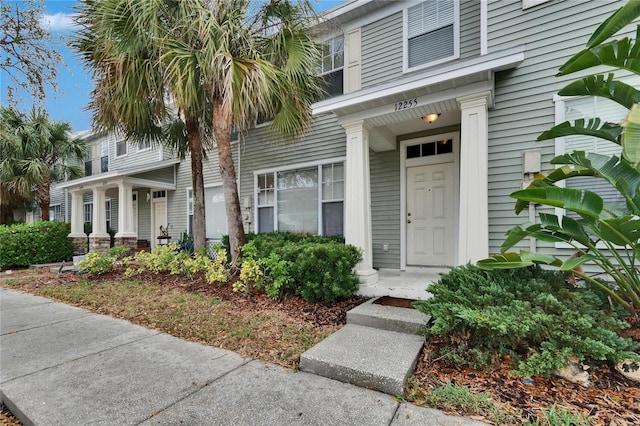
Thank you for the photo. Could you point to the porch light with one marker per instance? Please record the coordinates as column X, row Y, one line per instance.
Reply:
column 430, row 118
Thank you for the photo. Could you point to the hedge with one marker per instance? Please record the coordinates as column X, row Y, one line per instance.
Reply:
column 40, row 242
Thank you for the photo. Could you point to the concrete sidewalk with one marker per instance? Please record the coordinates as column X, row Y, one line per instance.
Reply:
column 61, row 365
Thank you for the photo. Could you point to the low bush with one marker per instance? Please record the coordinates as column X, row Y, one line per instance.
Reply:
column 316, row 268
column 170, row 259
column 40, row 242
column 266, row 243
column 529, row 314
column 100, row 263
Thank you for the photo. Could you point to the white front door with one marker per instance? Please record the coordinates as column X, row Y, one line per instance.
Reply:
column 430, row 211
column 159, row 218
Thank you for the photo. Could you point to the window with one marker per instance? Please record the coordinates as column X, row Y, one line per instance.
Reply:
column 104, row 155
column 107, row 213
column 586, row 108
column 332, row 66
column 306, row 200
column 432, row 29
column 55, row 213
column 121, row 148
column 88, row 164
column 144, row 145
column 216, row 214
column 190, row 211
column 88, row 212
column 430, row 149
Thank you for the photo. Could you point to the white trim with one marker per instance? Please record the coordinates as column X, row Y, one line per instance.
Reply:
column 144, row 149
column 484, row 16
column 405, row 163
column 405, row 41
column 492, row 62
column 526, row 4
column 100, row 178
column 135, row 217
column 274, row 171
column 115, row 147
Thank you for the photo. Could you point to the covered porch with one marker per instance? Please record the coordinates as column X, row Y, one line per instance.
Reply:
column 437, row 215
column 127, row 190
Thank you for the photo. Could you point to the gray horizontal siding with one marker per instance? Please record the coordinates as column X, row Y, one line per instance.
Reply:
column 524, row 106
column 382, row 43
column 385, row 208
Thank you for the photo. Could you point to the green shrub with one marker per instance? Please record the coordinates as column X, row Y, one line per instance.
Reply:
column 530, row 314
column 98, row 263
column 266, row 243
column 316, row 268
column 40, row 242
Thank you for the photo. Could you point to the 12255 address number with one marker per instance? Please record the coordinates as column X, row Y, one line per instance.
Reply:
column 406, row 104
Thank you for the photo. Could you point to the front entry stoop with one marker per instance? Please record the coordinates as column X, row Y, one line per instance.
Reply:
column 371, row 351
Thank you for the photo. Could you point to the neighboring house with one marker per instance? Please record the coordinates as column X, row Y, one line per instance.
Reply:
column 431, row 123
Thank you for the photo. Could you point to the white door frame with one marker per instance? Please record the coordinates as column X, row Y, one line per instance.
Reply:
column 137, row 207
column 436, row 159
column 154, row 229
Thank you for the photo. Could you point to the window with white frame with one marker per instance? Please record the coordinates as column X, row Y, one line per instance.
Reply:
column 432, row 29
column 55, row 213
column 190, row 211
column 104, row 155
column 299, row 200
column 88, row 212
column 587, row 108
column 215, row 212
column 107, row 213
column 121, row 148
column 144, row 145
column 331, row 67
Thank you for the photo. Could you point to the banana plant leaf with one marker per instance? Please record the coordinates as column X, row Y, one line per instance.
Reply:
column 621, row 53
column 622, row 231
column 631, row 137
column 537, row 231
column 586, row 203
column 592, row 127
column 597, row 85
column 518, row 260
column 571, row 264
column 614, row 23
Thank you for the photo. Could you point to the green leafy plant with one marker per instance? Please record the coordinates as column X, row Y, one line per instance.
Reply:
column 529, row 314
column 100, row 263
column 40, row 242
column 607, row 235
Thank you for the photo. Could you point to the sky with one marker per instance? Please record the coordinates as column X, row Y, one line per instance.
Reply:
column 74, row 82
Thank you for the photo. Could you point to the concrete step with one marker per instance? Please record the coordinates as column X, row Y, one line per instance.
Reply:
column 377, row 359
column 392, row 318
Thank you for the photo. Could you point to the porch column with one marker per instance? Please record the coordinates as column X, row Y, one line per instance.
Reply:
column 126, row 235
column 77, row 237
column 99, row 239
column 125, row 211
column 357, row 227
column 77, row 216
column 473, row 237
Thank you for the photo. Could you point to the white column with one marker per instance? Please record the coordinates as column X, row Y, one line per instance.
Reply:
column 125, row 211
column 473, row 237
column 77, row 215
column 99, row 215
column 357, row 227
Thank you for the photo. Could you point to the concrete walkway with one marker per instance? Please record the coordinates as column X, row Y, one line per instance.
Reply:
column 61, row 365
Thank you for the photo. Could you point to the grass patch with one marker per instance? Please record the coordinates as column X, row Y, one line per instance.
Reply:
column 261, row 333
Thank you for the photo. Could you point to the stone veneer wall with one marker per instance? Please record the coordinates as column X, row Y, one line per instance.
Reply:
column 129, row 243
column 99, row 244
column 78, row 245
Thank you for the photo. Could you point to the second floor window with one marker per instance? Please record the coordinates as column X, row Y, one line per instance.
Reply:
column 332, row 65
column 431, row 31
column 121, row 148
column 88, row 169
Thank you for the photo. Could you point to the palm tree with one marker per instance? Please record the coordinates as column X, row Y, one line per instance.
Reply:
column 120, row 42
column 36, row 153
column 256, row 61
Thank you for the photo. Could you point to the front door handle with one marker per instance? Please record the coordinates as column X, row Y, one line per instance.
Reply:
column 409, row 221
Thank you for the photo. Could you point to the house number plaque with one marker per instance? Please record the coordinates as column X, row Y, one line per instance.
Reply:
column 406, row 104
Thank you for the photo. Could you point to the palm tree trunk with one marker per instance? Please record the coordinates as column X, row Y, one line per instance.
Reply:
column 222, row 134
column 43, row 198
column 197, row 181
column 8, row 201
